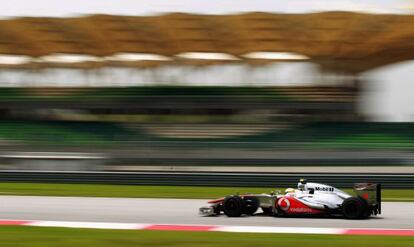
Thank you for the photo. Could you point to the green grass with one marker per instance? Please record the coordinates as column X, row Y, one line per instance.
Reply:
column 63, row 237
column 140, row 191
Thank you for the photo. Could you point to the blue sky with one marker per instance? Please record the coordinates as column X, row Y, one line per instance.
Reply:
column 150, row 7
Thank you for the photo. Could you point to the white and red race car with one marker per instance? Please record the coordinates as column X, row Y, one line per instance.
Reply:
column 307, row 200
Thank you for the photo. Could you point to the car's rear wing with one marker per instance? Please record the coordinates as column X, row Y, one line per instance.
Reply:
column 371, row 193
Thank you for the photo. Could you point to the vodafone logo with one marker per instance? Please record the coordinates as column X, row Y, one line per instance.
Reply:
column 301, row 210
column 283, row 204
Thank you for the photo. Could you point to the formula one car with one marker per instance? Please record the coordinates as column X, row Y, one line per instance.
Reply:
column 309, row 199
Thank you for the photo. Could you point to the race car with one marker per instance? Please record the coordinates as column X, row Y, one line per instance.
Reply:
column 309, row 199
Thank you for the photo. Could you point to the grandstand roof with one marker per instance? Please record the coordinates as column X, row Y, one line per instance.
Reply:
column 342, row 41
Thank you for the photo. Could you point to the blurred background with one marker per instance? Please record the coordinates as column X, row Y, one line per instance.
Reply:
column 182, row 86
column 144, row 102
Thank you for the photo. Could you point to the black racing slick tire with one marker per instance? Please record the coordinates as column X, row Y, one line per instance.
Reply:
column 251, row 204
column 233, row 206
column 354, row 208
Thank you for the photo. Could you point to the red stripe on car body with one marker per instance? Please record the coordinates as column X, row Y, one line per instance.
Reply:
column 291, row 205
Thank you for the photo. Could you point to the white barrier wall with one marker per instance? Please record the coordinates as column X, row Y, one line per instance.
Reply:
column 388, row 93
column 288, row 73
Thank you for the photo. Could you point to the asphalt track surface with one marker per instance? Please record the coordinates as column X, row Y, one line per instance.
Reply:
column 398, row 215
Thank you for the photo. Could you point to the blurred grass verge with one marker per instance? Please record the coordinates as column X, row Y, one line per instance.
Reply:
column 141, row 191
column 32, row 236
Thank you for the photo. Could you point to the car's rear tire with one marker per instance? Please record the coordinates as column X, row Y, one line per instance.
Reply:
column 251, row 204
column 354, row 208
column 233, row 206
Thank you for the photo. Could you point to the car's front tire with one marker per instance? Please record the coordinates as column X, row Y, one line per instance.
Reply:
column 233, row 206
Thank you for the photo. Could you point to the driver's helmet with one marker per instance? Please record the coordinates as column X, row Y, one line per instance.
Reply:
column 290, row 190
column 302, row 184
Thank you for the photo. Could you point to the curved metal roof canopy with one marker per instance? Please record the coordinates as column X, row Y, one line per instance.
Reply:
column 338, row 41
